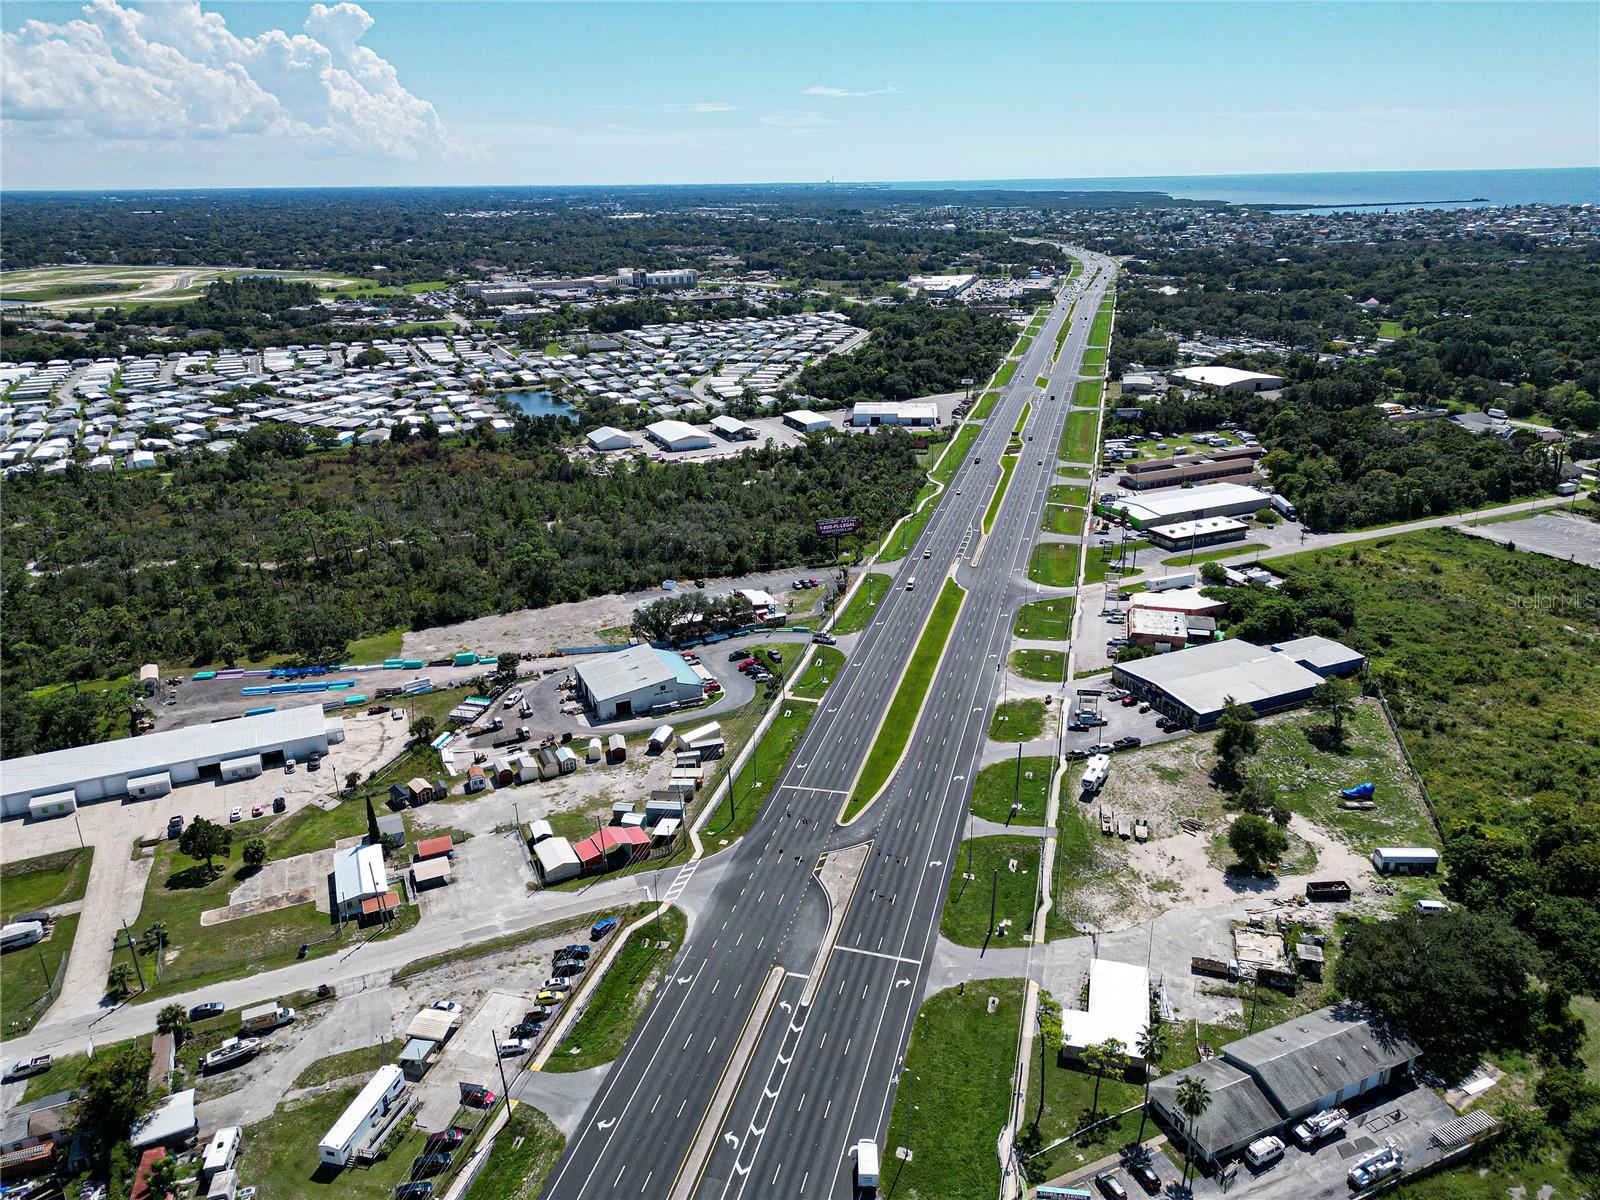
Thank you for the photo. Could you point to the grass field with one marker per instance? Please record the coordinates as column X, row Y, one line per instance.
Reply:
column 954, row 1094
column 1211, row 555
column 1043, row 665
column 966, row 909
column 31, row 884
column 1046, row 620
column 1017, row 721
column 524, row 1154
column 619, row 1000
column 1059, row 1103
column 907, row 704
column 1054, row 563
column 30, row 973
column 1077, row 441
column 997, row 784
column 1392, row 329
column 858, row 613
column 1102, row 559
column 275, row 1160
column 824, row 667
column 985, row 405
column 1008, row 463
column 1100, row 332
column 1007, row 369
column 1069, row 493
column 1086, row 393
column 88, row 286
column 754, row 783
column 1094, row 360
column 375, row 649
column 350, row 1064
column 1059, row 519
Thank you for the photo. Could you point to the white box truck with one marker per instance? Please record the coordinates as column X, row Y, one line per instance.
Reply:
column 265, row 1017
column 867, row 1163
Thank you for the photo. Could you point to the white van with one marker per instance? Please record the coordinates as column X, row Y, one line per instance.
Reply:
column 1430, row 908
column 867, row 1163
column 911, row 583
column 1263, row 1151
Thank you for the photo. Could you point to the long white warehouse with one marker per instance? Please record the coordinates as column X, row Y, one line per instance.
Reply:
column 152, row 765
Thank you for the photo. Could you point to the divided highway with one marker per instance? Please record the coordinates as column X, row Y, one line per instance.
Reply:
column 825, row 1067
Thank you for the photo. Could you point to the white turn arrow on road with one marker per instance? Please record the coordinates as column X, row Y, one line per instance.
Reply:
column 604, row 1125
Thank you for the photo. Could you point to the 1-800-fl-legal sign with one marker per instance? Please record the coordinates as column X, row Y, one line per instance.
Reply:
column 834, row 526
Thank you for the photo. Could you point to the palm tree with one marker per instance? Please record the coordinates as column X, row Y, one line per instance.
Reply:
column 154, row 938
column 1109, row 1057
column 1049, row 1041
column 422, row 728
column 174, row 1020
column 119, row 980
column 163, row 1178
column 1152, row 1048
column 1194, row 1097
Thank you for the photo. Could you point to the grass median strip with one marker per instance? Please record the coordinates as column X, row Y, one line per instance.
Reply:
column 620, row 998
column 1077, row 441
column 824, row 667
column 1045, row 620
column 908, row 697
column 858, row 613
column 754, row 783
column 1008, row 464
column 1054, row 564
column 1005, row 869
column 954, row 1093
column 1061, row 334
column 524, row 1154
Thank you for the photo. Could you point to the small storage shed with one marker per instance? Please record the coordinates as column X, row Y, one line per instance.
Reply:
column 1405, row 860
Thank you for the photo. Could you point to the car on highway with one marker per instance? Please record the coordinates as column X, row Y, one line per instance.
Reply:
column 207, row 1008
column 236, row 815
column 602, row 927
column 28, row 1067
column 927, row 554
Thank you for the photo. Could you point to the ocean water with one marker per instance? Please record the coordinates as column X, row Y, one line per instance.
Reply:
column 1336, row 189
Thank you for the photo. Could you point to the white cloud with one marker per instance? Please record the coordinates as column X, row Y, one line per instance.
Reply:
column 704, row 106
column 835, row 93
column 170, row 72
column 800, row 122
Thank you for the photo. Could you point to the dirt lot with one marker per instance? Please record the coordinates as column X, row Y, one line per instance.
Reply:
column 1114, row 883
column 198, row 702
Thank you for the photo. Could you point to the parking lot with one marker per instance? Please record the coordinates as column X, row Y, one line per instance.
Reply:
column 1120, row 721
column 1409, row 1117
column 472, row 1056
column 1567, row 538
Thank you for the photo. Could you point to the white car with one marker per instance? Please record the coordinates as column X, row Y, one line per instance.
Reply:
column 557, row 985
column 511, row 701
column 236, row 815
column 515, row 1046
column 449, row 1006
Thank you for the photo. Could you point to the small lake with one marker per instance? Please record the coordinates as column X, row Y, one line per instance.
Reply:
column 539, row 404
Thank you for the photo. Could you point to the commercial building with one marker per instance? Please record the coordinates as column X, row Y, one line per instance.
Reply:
column 1175, row 505
column 633, row 277
column 677, row 436
column 805, row 420
column 372, row 1104
column 635, row 682
column 1156, row 627
column 1187, row 600
column 1193, row 685
column 731, row 428
column 1264, row 1082
column 358, row 876
column 606, row 438
column 1207, row 531
column 889, row 412
column 152, row 765
column 940, row 287
column 1118, row 1007
column 1226, row 379
column 1232, row 464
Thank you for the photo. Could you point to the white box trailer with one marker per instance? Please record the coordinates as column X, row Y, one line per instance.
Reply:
column 1405, row 860
column 220, row 1151
column 711, row 731
column 371, row 1104
column 1178, row 579
column 867, row 1167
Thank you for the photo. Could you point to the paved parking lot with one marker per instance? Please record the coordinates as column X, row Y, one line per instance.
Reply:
column 1570, row 539
column 471, row 1056
column 1120, row 721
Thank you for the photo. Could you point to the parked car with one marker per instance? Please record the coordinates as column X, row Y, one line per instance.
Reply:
column 314, row 763
column 512, row 1047
column 449, row 1006
column 236, row 815
column 1075, row 755
column 288, row 766
column 1128, row 743
column 1129, row 701
column 431, row 1164
column 547, row 996
column 174, row 826
column 527, row 1029
column 601, row 928
column 37, row 1065
column 1101, row 748
column 776, row 656
column 557, row 984
column 737, row 656
column 569, row 966
column 1169, row 724
column 475, row 1095
column 824, row 639
column 1145, row 707
column 444, row 1139
column 207, row 1008
column 280, row 804
column 257, row 810
column 1264, row 1151
column 421, row 1189
column 1115, row 694
column 1145, row 1176
column 1110, row 1188
column 398, row 714
column 512, row 700
column 576, row 950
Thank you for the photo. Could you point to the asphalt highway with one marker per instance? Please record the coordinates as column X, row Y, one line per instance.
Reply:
column 823, row 1074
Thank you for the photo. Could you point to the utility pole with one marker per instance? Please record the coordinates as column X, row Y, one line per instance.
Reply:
column 494, row 1044
column 994, row 887
column 1016, row 789
column 133, row 952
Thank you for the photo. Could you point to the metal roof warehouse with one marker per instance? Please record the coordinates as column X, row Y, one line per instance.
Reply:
column 634, row 681
column 101, row 771
column 1194, row 684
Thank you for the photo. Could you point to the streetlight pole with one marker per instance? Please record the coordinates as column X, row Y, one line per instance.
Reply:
column 133, row 952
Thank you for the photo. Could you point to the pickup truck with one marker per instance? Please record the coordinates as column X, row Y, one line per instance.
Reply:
column 37, row 1065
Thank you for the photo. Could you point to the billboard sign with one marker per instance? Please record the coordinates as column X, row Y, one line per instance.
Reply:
column 837, row 526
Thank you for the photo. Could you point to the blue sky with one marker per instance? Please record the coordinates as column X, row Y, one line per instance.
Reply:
column 162, row 93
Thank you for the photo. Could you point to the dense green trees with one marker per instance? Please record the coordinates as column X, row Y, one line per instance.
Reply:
column 266, row 552
column 914, row 350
